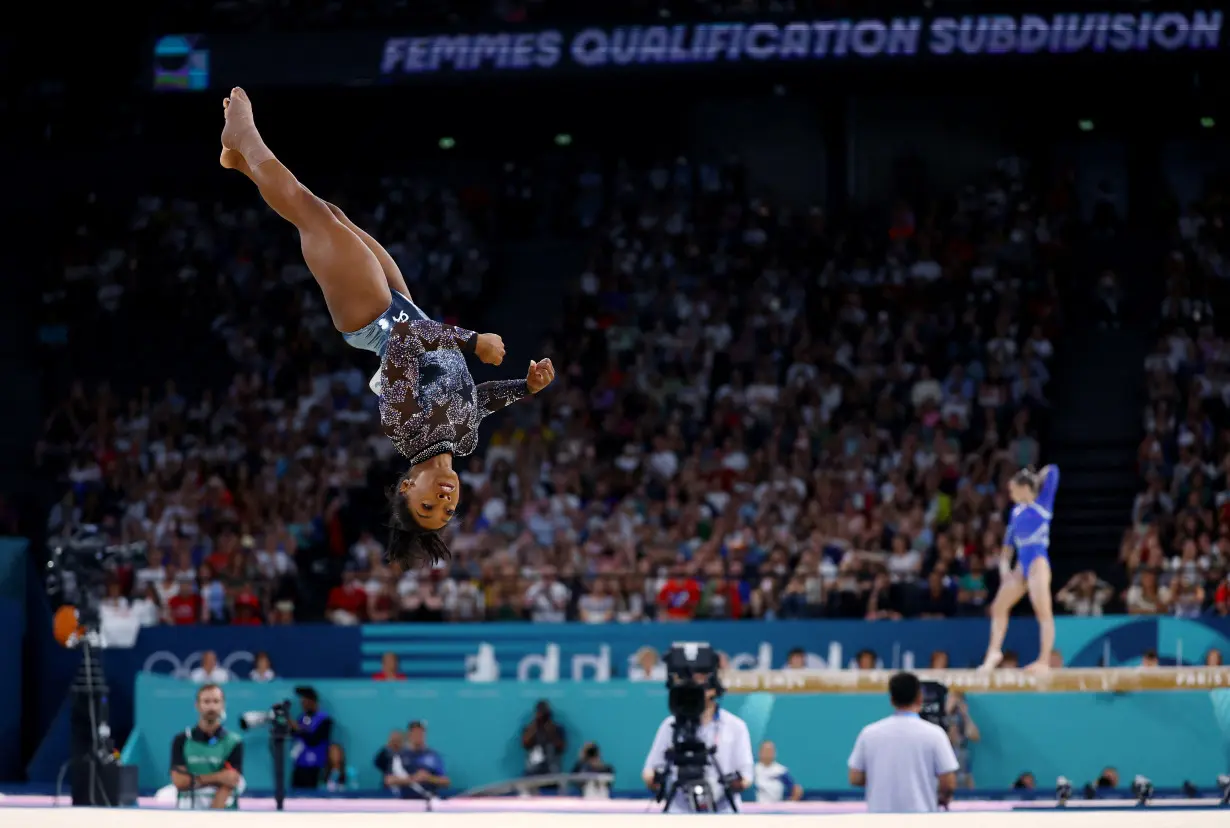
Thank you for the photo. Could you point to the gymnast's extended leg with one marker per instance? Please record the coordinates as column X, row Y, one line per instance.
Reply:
column 392, row 273
column 1011, row 590
column 350, row 275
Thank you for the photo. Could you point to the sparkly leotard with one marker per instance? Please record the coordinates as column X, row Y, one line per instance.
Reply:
column 429, row 404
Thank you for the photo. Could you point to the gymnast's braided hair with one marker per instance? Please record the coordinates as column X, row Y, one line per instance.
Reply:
column 411, row 545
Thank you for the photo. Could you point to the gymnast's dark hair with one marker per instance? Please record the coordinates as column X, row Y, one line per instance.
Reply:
column 410, row 545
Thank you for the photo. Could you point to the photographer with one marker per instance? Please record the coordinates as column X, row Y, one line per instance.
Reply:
column 730, row 762
column 313, row 732
column 591, row 761
column 962, row 732
column 543, row 740
column 207, row 760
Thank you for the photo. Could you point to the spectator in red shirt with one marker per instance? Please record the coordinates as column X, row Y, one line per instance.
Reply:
column 389, row 669
column 1221, row 599
column 348, row 602
column 184, row 607
column 678, row 597
column 247, row 608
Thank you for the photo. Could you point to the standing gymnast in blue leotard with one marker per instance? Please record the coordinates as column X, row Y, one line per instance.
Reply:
column 430, row 407
column 1029, row 536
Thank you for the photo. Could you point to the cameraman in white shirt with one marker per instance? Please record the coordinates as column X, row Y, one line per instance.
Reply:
column 723, row 733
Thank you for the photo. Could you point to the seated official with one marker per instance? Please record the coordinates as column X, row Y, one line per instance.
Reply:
column 207, row 760
column 417, row 772
column 773, row 780
column 383, row 759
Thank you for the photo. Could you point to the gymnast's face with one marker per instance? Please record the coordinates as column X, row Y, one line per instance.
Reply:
column 1020, row 493
column 432, row 495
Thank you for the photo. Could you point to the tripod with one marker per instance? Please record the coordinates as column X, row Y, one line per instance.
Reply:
column 689, row 760
column 92, row 761
column 277, row 749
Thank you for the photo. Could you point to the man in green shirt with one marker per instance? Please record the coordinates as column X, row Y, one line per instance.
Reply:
column 207, row 760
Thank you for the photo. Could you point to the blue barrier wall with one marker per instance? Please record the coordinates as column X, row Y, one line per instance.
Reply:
column 523, row 650
column 510, row 651
column 1168, row 736
column 13, row 622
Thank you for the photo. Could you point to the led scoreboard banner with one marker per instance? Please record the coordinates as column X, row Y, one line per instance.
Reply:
column 199, row 61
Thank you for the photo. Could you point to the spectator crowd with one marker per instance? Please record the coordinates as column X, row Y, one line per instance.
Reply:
column 1176, row 552
column 761, row 413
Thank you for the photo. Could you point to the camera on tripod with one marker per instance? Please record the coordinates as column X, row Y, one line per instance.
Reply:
column 77, row 567
column 692, row 681
column 276, row 717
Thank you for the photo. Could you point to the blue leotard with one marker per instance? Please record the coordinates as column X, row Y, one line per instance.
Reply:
column 1029, row 528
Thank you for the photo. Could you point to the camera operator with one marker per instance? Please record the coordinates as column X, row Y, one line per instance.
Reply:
column 313, row 732
column 962, row 732
column 207, row 760
column 591, row 761
column 730, row 762
column 902, row 758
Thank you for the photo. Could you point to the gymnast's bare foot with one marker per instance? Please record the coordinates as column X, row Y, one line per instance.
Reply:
column 1039, row 668
column 242, row 147
column 232, row 160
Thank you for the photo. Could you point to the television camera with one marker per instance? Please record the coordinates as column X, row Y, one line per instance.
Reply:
column 78, row 566
column 691, row 673
column 934, row 704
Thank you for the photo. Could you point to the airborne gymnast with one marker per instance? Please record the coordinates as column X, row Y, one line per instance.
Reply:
column 430, row 407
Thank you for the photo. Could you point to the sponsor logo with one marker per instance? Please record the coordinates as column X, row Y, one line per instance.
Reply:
column 168, row 663
column 488, row 664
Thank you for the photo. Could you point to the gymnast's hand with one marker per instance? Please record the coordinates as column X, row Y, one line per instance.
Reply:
column 540, row 375
column 490, row 349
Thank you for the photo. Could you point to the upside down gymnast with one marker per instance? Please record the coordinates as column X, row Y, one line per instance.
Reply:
column 430, row 407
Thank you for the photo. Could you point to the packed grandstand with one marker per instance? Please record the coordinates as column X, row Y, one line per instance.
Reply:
column 765, row 413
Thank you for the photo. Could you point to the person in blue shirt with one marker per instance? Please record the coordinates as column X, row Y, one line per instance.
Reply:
column 313, row 733
column 417, row 772
column 1029, row 536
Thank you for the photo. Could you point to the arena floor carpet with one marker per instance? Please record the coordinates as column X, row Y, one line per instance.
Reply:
column 45, row 817
column 570, row 805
